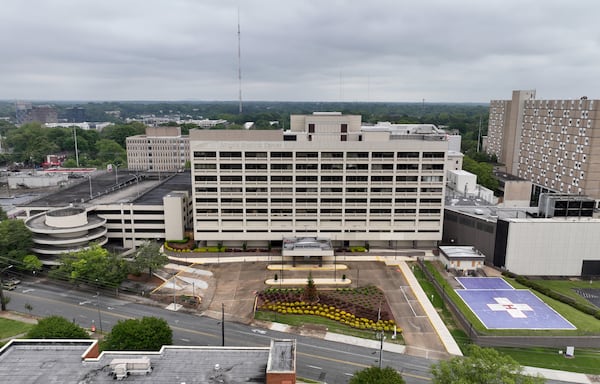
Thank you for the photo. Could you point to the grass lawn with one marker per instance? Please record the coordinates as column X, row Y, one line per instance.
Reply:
column 585, row 361
column 586, row 324
column 9, row 328
column 332, row 326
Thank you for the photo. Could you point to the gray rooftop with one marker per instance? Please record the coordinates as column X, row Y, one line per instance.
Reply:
column 61, row 361
column 135, row 187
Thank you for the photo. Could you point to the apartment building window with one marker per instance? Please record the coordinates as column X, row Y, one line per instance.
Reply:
column 281, row 166
column 407, row 167
column 408, row 155
column 328, row 167
column 257, row 155
column 331, row 201
column 281, row 178
column 281, row 190
column 381, row 201
column 381, row 190
column 331, row 190
column 343, row 138
column 307, row 178
column 357, row 179
column 203, row 200
column 205, row 166
column 205, row 190
column 256, row 190
column 432, row 167
column 230, row 155
column 356, row 190
column 406, row 179
column 357, row 167
column 382, row 167
column 230, row 201
column 332, row 155
column 433, row 155
column 205, row 154
column 380, row 179
column 306, row 166
column 357, row 155
column 306, row 190
column 383, row 155
column 311, row 128
column 256, row 178
column 230, row 166
column 281, row 201
column 229, row 190
column 256, row 201
column 332, row 179
column 344, row 128
column 231, row 178
column 256, row 166
column 205, row 178
column 307, row 155
column 281, row 155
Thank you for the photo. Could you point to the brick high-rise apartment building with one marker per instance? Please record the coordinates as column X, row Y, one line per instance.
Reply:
column 553, row 143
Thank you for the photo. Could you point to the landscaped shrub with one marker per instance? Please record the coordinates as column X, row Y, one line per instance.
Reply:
column 358, row 249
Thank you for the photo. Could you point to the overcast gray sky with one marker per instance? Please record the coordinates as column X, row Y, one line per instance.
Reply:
column 295, row 50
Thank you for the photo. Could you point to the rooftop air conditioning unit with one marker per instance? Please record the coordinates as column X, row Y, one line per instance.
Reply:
column 121, row 368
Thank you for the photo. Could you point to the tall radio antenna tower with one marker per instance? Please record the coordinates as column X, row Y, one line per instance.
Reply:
column 239, row 62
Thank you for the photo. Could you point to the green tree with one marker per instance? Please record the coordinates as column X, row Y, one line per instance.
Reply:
column 56, row 327
column 481, row 365
column 148, row 257
column 32, row 263
column 109, row 151
column 15, row 242
column 376, row 375
column 3, row 215
column 94, row 265
column 147, row 334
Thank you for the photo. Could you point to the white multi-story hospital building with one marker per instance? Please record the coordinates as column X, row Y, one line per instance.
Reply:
column 327, row 177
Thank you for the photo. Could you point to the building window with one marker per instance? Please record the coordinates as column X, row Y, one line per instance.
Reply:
column 311, row 128
column 343, row 138
column 344, row 128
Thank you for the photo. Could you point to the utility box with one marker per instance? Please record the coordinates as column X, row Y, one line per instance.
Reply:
column 121, row 368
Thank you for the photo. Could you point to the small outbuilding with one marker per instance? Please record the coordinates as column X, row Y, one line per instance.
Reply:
column 464, row 260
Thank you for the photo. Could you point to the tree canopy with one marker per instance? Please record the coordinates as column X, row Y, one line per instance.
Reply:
column 148, row 257
column 376, row 375
column 15, row 242
column 94, row 265
column 147, row 334
column 481, row 365
column 57, row 327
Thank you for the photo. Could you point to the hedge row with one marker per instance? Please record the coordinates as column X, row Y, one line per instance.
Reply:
column 588, row 309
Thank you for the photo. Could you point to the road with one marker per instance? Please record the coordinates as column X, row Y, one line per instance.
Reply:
column 317, row 359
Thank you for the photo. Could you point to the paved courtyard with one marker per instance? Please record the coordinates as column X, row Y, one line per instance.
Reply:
column 237, row 283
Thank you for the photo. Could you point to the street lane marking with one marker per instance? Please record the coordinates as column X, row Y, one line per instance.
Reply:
column 360, row 365
column 28, row 290
column 84, row 302
column 314, row 367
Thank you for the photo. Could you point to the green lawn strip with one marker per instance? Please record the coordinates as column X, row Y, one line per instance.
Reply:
column 585, row 361
column 586, row 324
column 9, row 328
column 566, row 287
column 332, row 325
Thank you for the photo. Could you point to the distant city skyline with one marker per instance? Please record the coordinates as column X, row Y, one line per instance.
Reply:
column 298, row 50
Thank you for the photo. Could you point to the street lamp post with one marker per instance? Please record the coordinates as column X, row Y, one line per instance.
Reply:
column 2, row 301
column 98, row 305
column 91, row 194
column 76, row 151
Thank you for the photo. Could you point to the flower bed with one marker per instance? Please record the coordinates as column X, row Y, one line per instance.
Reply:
column 362, row 308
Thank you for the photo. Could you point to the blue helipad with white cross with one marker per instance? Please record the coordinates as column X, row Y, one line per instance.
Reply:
column 498, row 306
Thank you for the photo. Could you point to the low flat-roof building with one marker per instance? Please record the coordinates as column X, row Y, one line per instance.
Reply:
column 79, row 361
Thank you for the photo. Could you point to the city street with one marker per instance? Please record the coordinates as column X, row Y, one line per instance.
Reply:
column 317, row 359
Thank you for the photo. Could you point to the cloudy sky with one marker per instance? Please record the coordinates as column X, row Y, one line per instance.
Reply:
column 298, row 50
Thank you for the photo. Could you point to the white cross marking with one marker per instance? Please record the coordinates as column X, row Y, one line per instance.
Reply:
column 515, row 310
